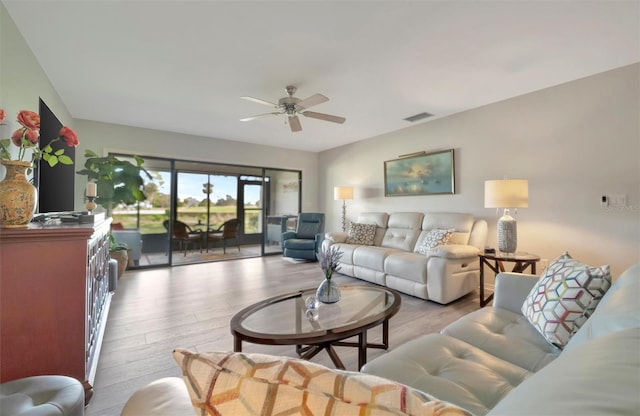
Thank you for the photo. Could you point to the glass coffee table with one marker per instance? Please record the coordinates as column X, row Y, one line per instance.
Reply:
column 286, row 320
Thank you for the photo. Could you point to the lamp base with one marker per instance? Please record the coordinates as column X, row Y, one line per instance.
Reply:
column 507, row 233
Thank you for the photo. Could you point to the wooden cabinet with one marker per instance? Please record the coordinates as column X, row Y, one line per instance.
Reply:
column 54, row 300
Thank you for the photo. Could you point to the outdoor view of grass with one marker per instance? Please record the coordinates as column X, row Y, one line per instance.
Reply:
column 204, row 202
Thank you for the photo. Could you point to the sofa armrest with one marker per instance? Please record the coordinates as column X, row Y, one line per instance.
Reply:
column 511, row 290
column 336, row 237
column 455, row 251
column 288, row 234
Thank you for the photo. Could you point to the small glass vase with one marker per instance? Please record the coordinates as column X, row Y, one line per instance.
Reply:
column 328, row 291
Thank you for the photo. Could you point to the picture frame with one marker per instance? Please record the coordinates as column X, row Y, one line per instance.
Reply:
column 420, row 174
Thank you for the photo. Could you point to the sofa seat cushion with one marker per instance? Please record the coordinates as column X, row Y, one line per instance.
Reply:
column 410, row 266
column 347, row 251
column 225, row 383
column 300, row 244
column 506, row 335
column 450, row 370
column 601, row 377
column 371, row 257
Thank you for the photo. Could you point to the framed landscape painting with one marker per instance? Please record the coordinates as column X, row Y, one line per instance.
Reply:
column 423, row 174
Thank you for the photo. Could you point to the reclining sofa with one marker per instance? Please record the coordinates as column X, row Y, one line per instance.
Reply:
column 393, row 256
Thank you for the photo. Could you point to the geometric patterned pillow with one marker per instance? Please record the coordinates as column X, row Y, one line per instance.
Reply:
column 361, row 234
column 226, row 383
column 565, row 296
column 434, row 238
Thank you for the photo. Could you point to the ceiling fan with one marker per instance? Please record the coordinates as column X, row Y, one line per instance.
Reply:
column 292, row 106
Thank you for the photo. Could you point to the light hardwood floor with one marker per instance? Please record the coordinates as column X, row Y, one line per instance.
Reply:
column 155, row 311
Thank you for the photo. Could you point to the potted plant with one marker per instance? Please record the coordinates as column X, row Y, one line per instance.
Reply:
column 119, row 252
column 118, row 181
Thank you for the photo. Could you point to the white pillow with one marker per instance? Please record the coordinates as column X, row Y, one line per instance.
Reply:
column 434, row 238
column 565, row 296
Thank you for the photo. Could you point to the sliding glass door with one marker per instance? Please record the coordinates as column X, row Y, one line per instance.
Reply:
column 281, row 207
column 191, row 206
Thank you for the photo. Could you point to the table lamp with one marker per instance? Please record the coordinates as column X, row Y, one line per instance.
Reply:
column 343, row 193
column 507, row 194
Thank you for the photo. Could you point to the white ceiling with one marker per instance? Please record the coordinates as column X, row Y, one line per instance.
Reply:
column 182, row 65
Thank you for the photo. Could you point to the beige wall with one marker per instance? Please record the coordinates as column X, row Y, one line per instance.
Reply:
column 574, row 143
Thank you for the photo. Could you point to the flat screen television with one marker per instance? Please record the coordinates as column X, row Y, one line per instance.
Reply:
column 55, row 185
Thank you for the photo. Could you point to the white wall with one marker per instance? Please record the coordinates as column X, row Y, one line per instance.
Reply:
column 22, row 80
column 574, row 143
column 104, row 137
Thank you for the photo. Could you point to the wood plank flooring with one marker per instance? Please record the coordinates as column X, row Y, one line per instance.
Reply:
column 154, row 311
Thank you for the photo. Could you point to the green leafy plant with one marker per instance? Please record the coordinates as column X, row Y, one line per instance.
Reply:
column 116, row 246
column 118, row 181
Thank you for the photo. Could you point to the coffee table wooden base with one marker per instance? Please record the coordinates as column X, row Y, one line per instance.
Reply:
column 308, row 345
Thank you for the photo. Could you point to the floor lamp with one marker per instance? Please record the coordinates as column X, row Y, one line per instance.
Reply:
column 507, row 193
column 342, row 193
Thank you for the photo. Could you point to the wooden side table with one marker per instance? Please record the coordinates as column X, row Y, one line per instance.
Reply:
column 496, row 263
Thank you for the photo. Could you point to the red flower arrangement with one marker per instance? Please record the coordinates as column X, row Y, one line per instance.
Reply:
column 28, row 136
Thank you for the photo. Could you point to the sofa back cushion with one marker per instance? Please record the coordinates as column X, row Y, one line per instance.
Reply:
column 381, row 219
column 599, row 378
column 403, row 230
column 619, row 309
column 461, row 223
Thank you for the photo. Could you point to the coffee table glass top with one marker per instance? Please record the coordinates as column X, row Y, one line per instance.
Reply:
column 287, row 314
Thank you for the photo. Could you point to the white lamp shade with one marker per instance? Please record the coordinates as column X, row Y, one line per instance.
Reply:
column 341, row 193
column 506, row 193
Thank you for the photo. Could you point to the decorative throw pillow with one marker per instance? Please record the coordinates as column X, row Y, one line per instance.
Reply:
column 228, row 383
column 565, row 296
column 434, row 238
column 361, row 234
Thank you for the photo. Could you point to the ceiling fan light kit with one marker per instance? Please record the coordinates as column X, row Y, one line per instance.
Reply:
column 292, row 106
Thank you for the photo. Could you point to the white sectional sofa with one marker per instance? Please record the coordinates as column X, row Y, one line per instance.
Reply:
column 494, row 362
column 393, row 260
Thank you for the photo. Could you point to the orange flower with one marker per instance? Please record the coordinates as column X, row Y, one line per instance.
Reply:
column 28, row 134
column 27, row 138
column 69, row 136
column 29, row 119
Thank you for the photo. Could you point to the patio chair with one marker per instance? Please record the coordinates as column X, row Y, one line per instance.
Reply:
column 184, row 235
column 227, row 231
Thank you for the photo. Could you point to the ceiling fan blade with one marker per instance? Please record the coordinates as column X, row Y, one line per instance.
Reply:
column 258, row 116
column 325, row 117
column 259, row 101
column 311, row 101
column 294, row 123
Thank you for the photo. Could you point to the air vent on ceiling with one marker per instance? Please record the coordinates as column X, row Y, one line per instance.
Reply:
column 418, row 117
